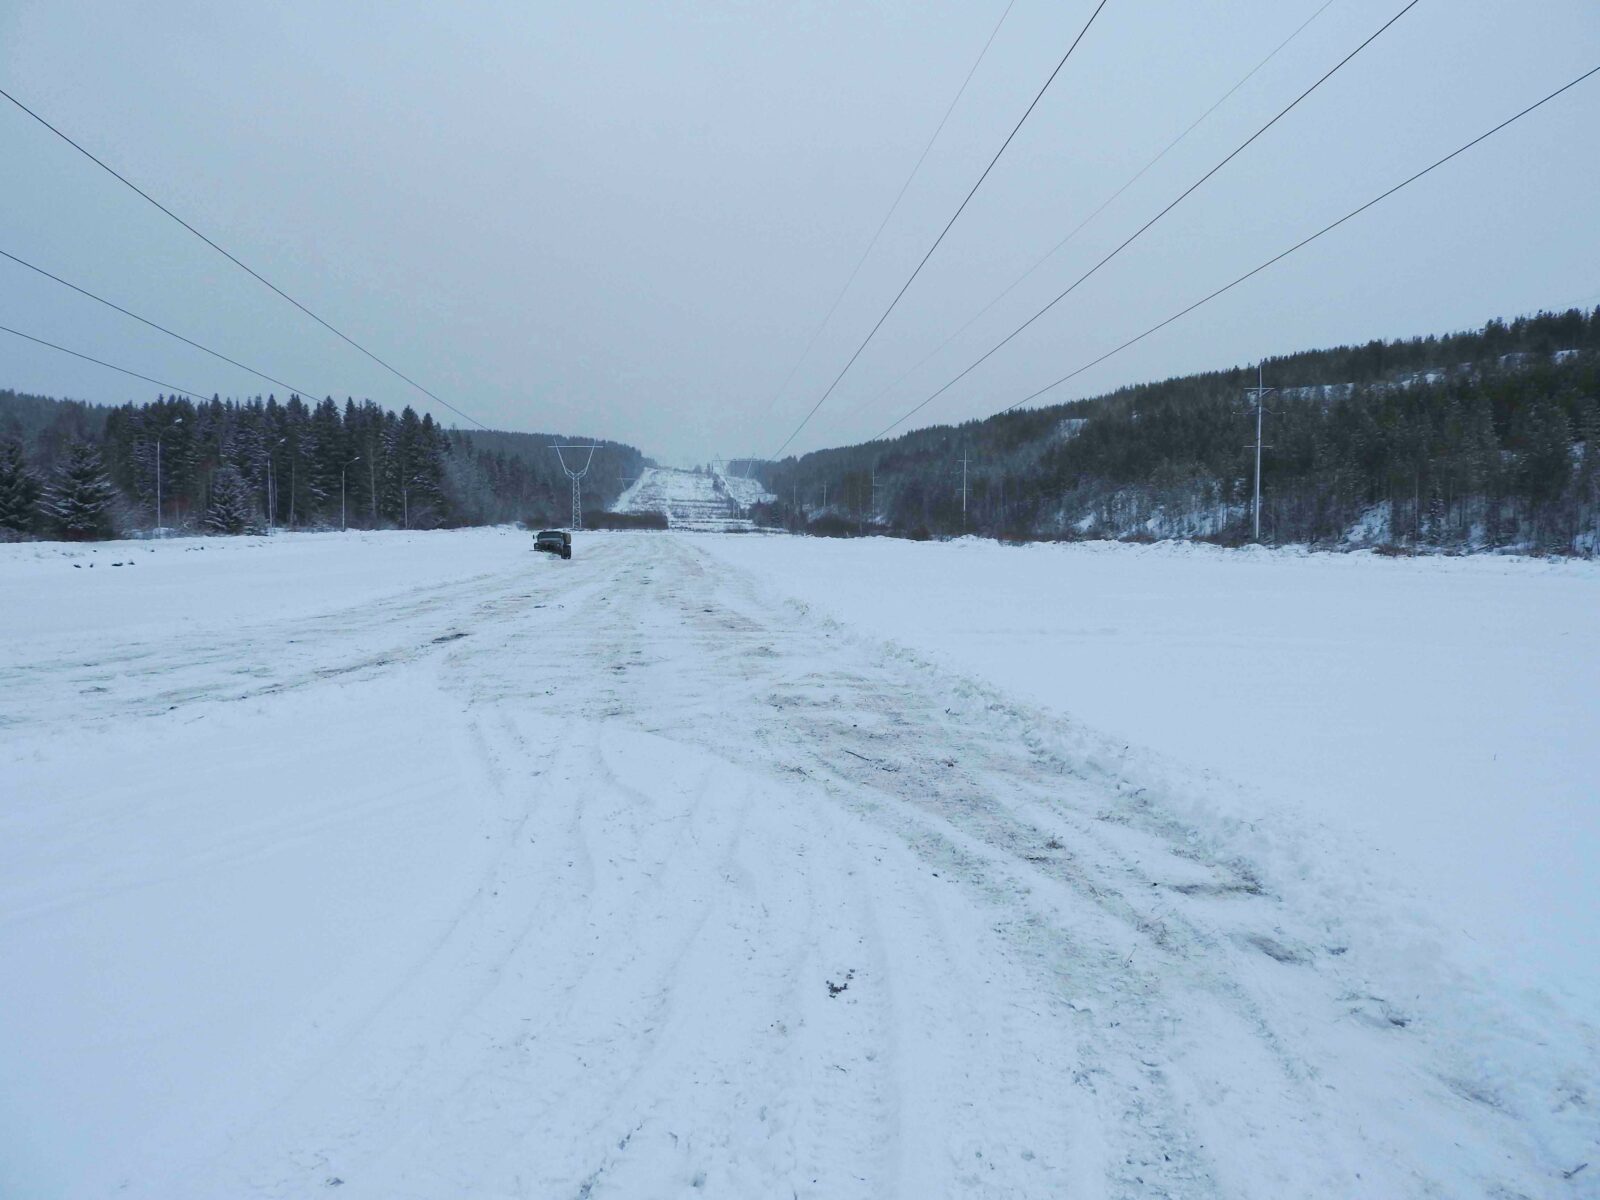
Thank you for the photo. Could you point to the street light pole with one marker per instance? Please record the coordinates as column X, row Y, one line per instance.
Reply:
column 161, row 531
column 342, row 471
column 272, row 491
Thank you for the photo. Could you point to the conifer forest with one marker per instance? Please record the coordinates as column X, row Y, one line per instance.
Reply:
column 80, row 471
column 1469, row 441
column 1487, row 440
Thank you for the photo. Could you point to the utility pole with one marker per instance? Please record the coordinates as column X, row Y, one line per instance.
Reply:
column 272, row 482
column 824, row 495
column 963, row 488
column 875, row 486
column 576, row 475
column 1260, row 393
column 272, row 489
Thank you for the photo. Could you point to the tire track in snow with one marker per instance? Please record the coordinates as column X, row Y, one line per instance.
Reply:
column 229, row 663
column 706, row 807
column 685, row 632
column 1186, row 986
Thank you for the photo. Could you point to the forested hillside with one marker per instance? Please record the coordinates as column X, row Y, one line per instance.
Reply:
column 1481, row 440
column 77, row 470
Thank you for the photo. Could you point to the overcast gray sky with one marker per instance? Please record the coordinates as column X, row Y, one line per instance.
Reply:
column 626, row 220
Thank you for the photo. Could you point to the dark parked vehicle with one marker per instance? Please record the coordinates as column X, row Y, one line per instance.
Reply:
column 554, row 541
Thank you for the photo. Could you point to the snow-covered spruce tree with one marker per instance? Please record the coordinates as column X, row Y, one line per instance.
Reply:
column 232, row 508
column 328, row 459
column 19, row 491
column 80, row 500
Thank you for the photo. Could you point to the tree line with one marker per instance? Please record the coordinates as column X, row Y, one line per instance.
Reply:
column 81, row 471
column 1481, row 440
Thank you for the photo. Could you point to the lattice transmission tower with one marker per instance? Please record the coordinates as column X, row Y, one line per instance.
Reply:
column 576, row 475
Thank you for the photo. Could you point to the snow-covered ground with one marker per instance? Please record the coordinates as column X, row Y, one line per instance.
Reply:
column 744, row 490
column 1442, row 714
column 693, row 500
column 423, row 865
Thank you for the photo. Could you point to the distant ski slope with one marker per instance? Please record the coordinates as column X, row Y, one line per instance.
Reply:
column 693, row 500
column 424, row 865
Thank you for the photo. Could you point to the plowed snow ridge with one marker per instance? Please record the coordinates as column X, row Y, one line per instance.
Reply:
column 496, row 876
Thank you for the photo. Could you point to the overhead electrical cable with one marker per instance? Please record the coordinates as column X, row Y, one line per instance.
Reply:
column 160, row 328
column 962, row 208
column 1187, row 192
column 1329, row 228
column 171, row 387
column 884, row 224
column 1105, row 204
column 236, row 262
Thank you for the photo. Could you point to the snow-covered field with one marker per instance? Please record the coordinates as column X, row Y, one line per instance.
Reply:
column 420, row 865
column 1442, row 715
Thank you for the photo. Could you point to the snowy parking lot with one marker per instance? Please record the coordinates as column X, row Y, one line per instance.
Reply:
column 422, row 865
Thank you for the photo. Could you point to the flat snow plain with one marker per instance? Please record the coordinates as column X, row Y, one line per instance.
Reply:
column 420, row 865
column 1443, row 715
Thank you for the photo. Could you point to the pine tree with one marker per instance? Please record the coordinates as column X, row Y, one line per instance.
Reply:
column 80, row 501
column 1589, row 435
column 232, row 508
column 1543, row 434
column 392, row 479
column 299, row 484
column 1586, row 479
column 427, row 475
column 19, row 490
column 329, row 458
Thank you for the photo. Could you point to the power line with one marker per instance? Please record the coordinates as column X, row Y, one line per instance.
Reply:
column 160, row 328
column 1039, row 96
column 120, row 178
column 171, row 387
column 1105, row 204
column 1329, row 228
column 1187, row 192
column 884, row 224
